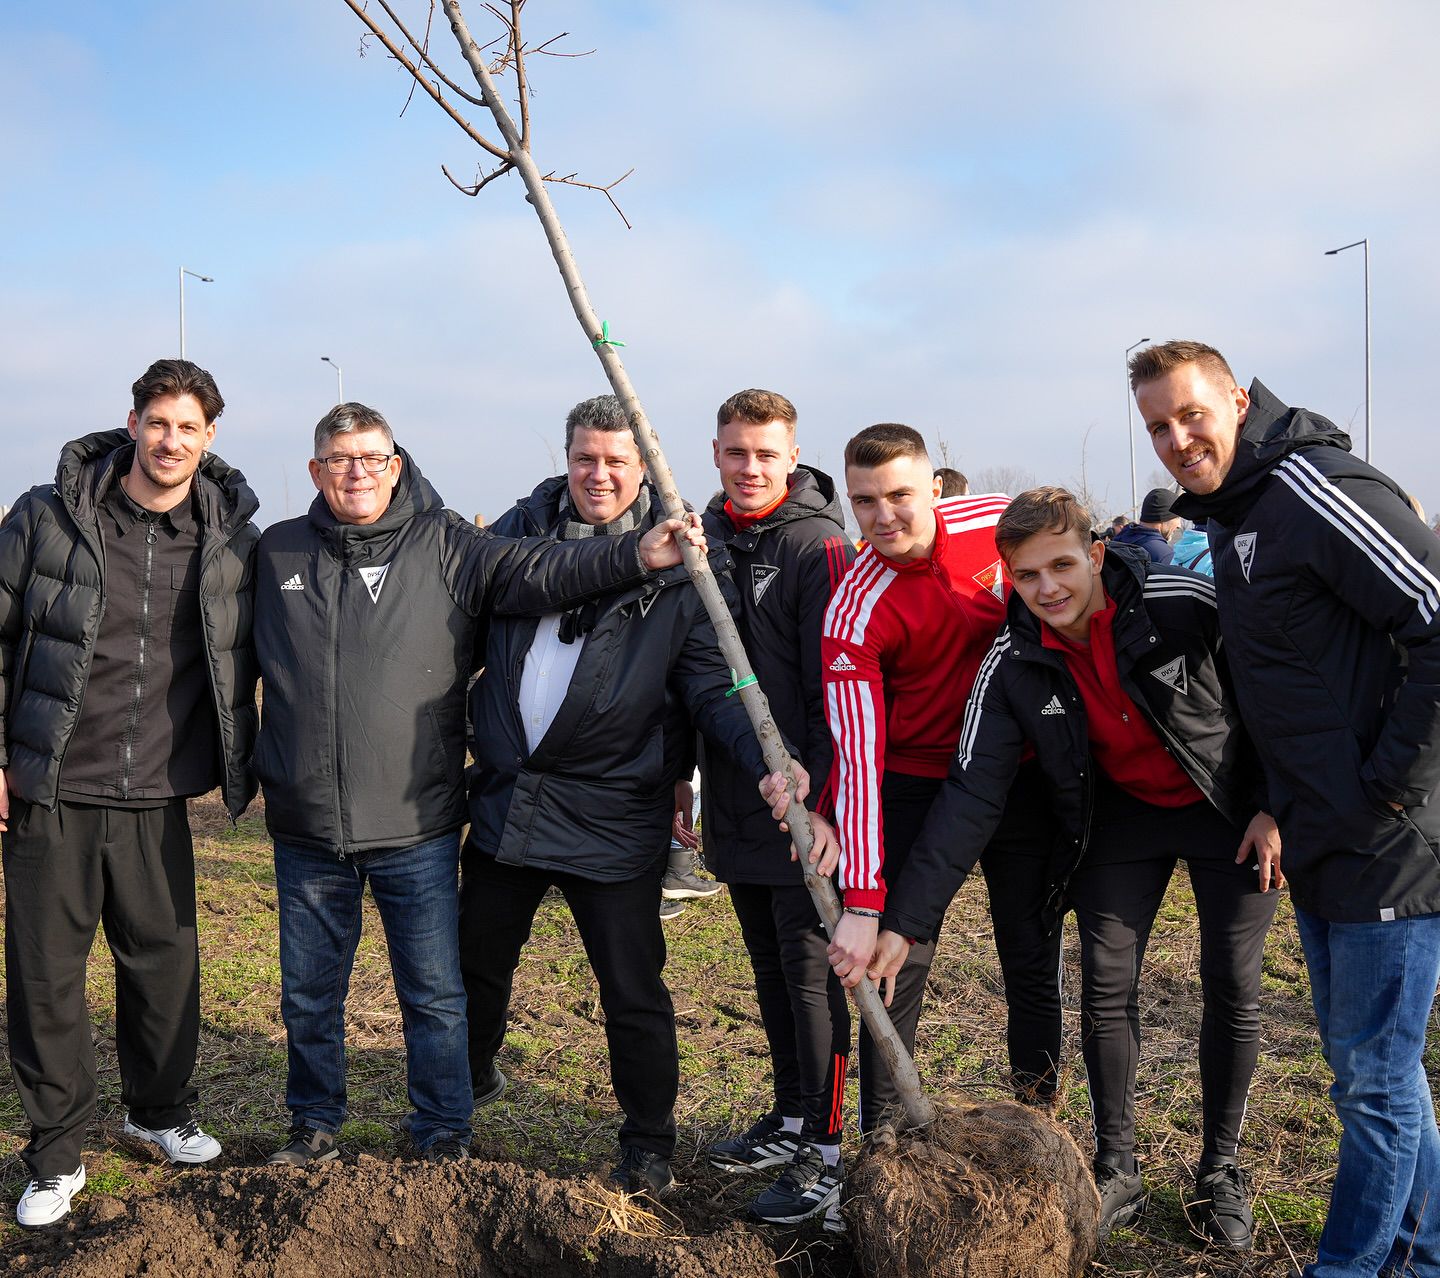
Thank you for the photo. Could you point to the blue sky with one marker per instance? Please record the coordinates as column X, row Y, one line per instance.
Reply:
column 955, row 215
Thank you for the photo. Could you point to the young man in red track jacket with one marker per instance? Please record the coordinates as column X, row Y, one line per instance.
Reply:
column 903, row 638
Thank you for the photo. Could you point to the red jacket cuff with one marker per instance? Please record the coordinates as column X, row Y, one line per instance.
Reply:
column 865, row 898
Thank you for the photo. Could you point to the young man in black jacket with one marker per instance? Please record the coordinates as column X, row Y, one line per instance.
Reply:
column 784, row 528
column 366, row 615
column 127, row 685
column 1110, row 669
column 1329, row 591
column 583, row 721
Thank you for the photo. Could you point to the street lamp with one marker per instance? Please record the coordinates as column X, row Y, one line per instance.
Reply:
column 204, row 279
column 1365, row 244
column 1130, row 423
column 339, row 377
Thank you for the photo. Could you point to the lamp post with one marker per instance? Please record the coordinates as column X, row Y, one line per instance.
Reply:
column 1363, row 244
column 339, row 377
column 204, row 279
column 1130, row 424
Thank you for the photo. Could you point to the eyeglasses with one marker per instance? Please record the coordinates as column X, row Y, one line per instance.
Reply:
column 340, row 463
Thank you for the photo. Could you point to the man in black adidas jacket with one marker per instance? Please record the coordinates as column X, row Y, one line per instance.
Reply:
column 1329, row 592
column 1110, row 669
column 127, row 685
column 366, row 616
column 785, row 529
column 582, row 729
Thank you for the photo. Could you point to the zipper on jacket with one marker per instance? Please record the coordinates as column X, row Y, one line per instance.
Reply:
column 137, row 688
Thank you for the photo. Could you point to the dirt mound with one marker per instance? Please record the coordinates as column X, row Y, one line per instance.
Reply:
column 985, row 1191
column 374, row 1217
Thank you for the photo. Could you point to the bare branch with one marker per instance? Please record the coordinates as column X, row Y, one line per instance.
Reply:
column 439, row 98
column 474, row 188
column 424, row 51
column 571, row 180
column 522, row 88
column 551, row 53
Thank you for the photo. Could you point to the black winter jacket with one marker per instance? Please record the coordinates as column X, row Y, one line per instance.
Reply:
column 786, row 568
column 1329, row 590
column 366, row 636
column 1171, row 664
column 596, row 798
column 52, row 597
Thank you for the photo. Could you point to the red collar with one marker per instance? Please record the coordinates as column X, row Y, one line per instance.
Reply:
column 743, row 519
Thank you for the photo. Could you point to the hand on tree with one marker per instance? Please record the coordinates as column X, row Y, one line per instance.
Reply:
column 660, row 547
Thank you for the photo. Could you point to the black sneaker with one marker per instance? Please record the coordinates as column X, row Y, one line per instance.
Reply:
column 492, row 1088
column 766, row 1144
column 305, row 1145
column 641, row 1171
column 448, row 1149
column 1122, row 1197
column 671, row 910
column 1222, row 1193
column 807, row 1187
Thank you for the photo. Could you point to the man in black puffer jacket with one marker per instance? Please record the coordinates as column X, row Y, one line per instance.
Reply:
column 127, row 684
column 1329, row 592
column 366, row 616
column 582, row 725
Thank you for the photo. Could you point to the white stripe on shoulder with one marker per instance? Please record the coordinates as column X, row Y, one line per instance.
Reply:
column 848, row 615
column 975, row 706
column 1361, row 529
column 1161, row 584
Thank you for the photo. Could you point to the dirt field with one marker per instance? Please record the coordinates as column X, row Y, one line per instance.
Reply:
column 378, row 1211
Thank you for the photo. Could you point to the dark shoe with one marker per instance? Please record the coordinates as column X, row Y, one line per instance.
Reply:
column 304, row 1146
column 766, row 1144
column 640, row 1171
column 682, row 880
column 1223, row 1195
column 671, row 910
column 493, row 1088
column 1122, row 1197
column 448, row 1149
column 807, row 1187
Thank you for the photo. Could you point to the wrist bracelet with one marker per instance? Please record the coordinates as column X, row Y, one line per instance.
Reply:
column 864, row 914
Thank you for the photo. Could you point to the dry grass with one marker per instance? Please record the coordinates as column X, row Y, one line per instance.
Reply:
column 559, row 1114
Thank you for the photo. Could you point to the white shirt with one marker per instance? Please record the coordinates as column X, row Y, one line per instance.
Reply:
column 545, row 678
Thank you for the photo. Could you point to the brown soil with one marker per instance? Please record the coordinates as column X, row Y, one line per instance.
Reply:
column 375, row 1217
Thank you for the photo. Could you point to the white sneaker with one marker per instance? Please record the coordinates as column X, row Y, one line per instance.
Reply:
column 47, row 1200
column 183, row 1144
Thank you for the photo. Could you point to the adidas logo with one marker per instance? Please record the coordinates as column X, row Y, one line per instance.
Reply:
column 293, row 584
column 1053, row 706
column 842, row 663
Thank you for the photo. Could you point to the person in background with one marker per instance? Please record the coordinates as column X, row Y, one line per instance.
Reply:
column 952, row 482
column 1155, row 529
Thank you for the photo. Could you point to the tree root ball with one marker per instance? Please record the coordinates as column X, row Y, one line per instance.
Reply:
column 992, row 1190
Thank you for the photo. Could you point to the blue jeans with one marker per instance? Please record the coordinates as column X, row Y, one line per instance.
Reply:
column 1373, row 985
column 416, row 890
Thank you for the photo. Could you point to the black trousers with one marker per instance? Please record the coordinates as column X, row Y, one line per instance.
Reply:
column 1115, row 898
column 65, row 872
column 619, row 926
column 802, row 1004
column 1017, row 864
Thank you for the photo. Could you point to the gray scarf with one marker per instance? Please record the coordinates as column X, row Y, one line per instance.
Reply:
column 581, row 620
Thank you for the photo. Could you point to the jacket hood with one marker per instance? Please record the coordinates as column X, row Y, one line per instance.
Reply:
column 89, row 465
column 812, row 493
column 1272, row 431
column 413, row 495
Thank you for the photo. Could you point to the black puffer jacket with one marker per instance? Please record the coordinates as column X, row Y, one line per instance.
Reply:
column 596, row 797
column 1170, row 661
column 1329, row 590
column 52, row 596
column 786, row 568
column 365, row 635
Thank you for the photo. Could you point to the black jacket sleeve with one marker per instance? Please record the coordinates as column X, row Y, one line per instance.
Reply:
column 821, row 566
column 16, row 543
column 968, row 808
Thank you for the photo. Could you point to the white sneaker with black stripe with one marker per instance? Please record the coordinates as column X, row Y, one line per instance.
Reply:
column 807, row 1187
column 766, row 1144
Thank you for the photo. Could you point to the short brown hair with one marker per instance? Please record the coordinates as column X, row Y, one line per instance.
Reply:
column 177, row 377
column 1040, row 510
column 883, row 443
column 1156, row 361
column 757, row 407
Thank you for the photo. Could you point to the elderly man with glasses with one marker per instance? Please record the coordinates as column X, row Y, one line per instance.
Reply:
column 367, row 614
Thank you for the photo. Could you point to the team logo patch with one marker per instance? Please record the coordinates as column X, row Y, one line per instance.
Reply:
column 293, row 584
column 647, row 602
column 991, row 579
column 1172, row 675
column 374, row 579
column 1053, row 706
column 1245, row 551
column 842, row 663
column 761, row 575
